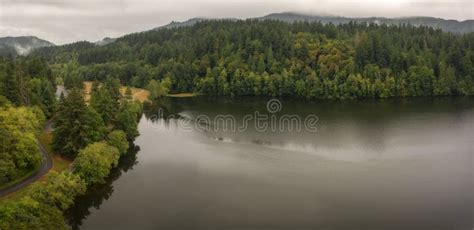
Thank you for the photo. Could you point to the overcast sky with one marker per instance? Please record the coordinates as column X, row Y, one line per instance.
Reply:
column 65, row 21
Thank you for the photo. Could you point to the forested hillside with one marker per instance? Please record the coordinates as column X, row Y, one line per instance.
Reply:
column 273, row 58
column 446, row 25
column 28, row 82
column 23, row 45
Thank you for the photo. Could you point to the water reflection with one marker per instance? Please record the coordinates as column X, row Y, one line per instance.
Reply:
column 369, row 125
column 96, row 195
column 373, row 164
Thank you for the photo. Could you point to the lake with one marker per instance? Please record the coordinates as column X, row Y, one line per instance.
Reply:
column 370, row 164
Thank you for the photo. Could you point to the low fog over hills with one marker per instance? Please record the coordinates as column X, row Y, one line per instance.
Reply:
column 21, row 45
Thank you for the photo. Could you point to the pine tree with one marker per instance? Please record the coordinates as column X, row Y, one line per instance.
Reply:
column 128, row 93
column 10, row 84
column 127, row 119
column 77, row 125
column 105, row 104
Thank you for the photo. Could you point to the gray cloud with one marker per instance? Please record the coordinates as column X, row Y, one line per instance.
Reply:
column 64, row 21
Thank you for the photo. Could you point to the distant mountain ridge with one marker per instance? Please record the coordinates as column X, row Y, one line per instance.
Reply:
column 105, row 41
column 171, row 25
column 453, row 26
column 22, row 45
column 446, row 25
column 175, row 24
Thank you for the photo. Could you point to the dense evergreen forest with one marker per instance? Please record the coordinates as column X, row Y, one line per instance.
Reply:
column 273, row 58
column 29, row 82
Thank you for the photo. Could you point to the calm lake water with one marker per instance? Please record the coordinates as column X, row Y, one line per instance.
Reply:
column 373, row 164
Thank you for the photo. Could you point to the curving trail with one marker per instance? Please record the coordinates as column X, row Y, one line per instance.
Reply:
column 44, row 168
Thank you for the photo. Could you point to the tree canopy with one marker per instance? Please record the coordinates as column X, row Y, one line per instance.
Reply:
column 94, row 162
column 118, row 139
column 42, row 207
column 19, row 151
column 28, row 82
column 77, row 125
column 273, row 58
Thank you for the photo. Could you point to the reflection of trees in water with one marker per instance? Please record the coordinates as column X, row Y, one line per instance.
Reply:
column 99, row 193
column 160, row 108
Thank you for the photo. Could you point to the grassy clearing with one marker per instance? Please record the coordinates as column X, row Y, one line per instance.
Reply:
column 137, row 93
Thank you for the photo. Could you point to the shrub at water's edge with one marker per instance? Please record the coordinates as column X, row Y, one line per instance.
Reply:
column 94, row 162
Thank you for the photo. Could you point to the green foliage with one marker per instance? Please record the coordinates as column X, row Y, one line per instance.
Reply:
column 43, row 95
column 118, row 139
column 420, row 81
column 70, row 75
column 28, row 213
column 59, row 191
column 127, row 118
column 19, row 152
column 29, row 82
column 158, row 89
column 77, row 125
column 273, row 58
column 446, row 82
column 4, row 101
column 93, row 163
column 42, row 207
column 104, row 102
column 112, row 85
column 128, row 93
column 9, row 85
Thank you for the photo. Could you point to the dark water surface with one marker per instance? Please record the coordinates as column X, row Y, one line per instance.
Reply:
column 374, row 164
